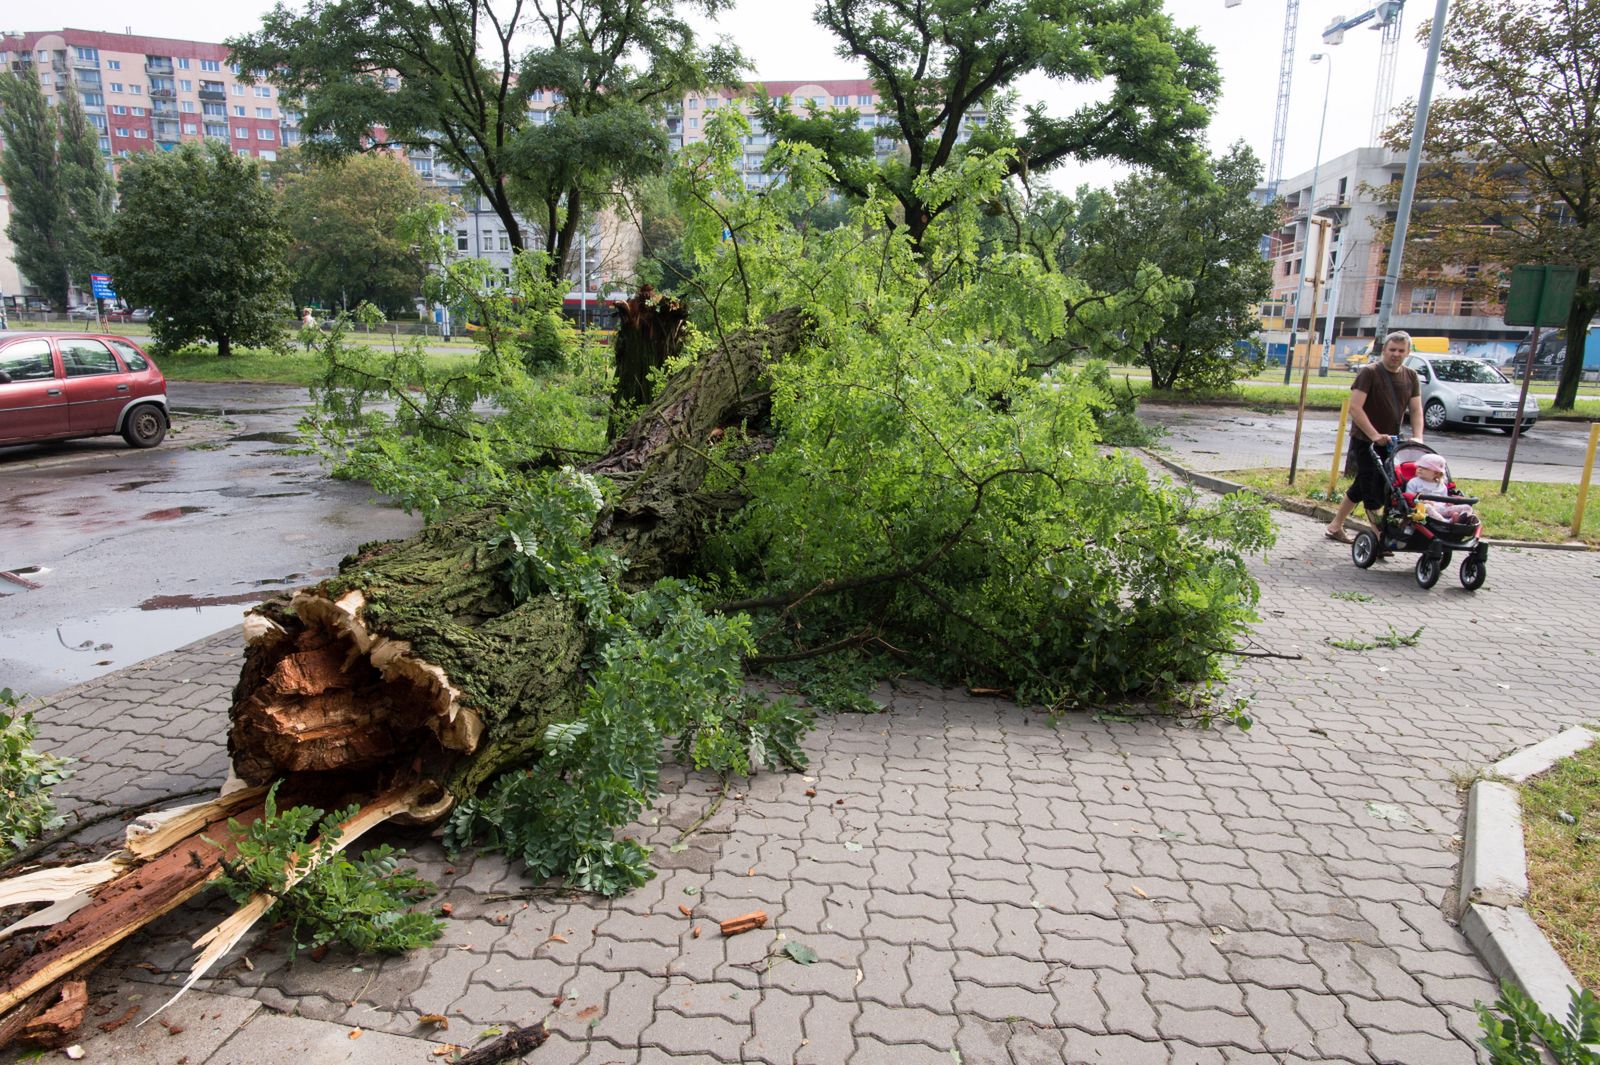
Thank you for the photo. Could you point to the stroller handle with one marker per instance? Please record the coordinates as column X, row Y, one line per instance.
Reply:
column 1468, row 500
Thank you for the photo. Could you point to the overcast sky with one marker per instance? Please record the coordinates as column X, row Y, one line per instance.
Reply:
column 786, row 44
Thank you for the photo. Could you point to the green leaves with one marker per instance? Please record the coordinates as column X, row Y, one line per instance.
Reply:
column 26, row 777
column 361, row 903
column 1515, row 1030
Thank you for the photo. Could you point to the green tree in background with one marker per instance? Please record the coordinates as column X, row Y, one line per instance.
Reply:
column 198, row 240
column 459, row 76
column 942, row 65
column 1513, row 154
column 31, row 173
column 346, row 222
column 1208, row 238
column 86, row 190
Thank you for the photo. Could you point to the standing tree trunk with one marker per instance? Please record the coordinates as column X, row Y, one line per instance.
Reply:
column 650, row 331
column 1585, row 301
column 414, row 663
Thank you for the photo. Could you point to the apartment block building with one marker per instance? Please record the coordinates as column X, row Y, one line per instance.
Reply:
column 1345, row 194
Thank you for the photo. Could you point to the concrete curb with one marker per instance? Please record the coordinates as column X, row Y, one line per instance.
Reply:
column 1494, row 877
column 1311, row 510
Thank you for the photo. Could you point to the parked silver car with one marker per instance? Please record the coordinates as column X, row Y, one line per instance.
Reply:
column 1457, row 390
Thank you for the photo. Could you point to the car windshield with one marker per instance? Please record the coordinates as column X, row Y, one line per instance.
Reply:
column 1467, row 372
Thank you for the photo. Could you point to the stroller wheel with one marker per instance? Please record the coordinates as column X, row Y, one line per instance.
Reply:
column 1364, row 552
column 1444, row 563
column 1428, row 569
column 1473, row 571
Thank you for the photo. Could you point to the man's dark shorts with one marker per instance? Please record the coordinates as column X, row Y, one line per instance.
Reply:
column 1370, row 488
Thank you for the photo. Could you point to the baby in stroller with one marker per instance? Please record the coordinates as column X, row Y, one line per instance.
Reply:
column 1432, row 478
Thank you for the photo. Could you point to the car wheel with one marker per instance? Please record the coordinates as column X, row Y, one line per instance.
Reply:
column 146, row 426
column 1473, row 571
column 1428, row 569
column 1364, row 552
column 1433, row 415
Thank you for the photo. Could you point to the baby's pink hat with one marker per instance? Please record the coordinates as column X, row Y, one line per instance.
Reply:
column 1432, row 462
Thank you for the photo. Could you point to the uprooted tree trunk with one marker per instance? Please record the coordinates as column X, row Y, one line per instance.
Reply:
column 414, row 662
column 411, row 678
column 650, row 330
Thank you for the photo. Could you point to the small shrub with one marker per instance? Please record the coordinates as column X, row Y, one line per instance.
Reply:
column 1515, row 1029
column 26, row 777
column 361, row 903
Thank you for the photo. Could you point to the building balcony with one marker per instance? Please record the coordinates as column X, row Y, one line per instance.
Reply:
column 159, row 68
column 219, row 95
column 85, row 64
column 163, row 94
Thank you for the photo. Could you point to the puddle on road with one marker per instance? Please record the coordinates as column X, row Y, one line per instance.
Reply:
column 42, row 662
column 271, row 438
column 133, row 486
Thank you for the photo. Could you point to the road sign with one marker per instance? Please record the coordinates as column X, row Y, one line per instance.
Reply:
column 1541, row 295
column 100, row 285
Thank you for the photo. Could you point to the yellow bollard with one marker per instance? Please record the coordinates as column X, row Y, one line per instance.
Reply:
column 1583, row 485
column 1338, row 447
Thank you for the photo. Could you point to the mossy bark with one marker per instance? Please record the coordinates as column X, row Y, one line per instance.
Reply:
column 436, row 602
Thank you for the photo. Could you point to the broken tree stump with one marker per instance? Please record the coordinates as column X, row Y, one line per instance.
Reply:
column 59, row 1023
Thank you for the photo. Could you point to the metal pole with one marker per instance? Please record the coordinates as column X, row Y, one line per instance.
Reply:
column 1333, row 306
column 1583, row 485
column 1311, row 208
column 1522, row 400
column 1305, row 371
column 1408, row 185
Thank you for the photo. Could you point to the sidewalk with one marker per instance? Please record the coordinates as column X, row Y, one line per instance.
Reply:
column 979, row 884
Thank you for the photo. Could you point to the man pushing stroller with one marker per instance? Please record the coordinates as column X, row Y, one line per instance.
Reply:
column 1380, row 398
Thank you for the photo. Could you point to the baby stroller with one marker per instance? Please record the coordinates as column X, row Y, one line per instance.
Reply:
column 1403, row 525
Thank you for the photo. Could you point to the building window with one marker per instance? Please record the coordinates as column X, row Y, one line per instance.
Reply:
column 118, row 109
column 694, row 123
column 190, row 128
column 814, row 101
column 841, row 101
column 141, row 134
column 183, row 64
column 122, row 131
column 210, row 64
column 263, row 112
column 461, row 240
column 216, row 129
column 137, row 90
column 113, row 64
column 267, row 135
column 505, row 242
column 186, row 106
column 93, row 99
column 184, row 85
column 242, row 132
column 105, row 145
column 238, row 90
column 1424, row 301
column 138, row 112
column 268, row 155
column 694, row 103
column 234, row 67
column 116, row 86
column 537, row 94
column 220, row 110
column 291, row 136
column 238, row 111
column 864, row 101
column 264, row 91
column 88, row 55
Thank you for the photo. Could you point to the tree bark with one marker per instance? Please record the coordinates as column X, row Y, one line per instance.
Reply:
column 650, row 331
column 1584, row 303
column 414, row 663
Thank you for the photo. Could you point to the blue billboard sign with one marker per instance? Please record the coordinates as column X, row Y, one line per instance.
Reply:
column 100, row 285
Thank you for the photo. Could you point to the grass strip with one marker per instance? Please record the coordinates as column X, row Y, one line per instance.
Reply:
column 1564, row 860
column 1531, row 510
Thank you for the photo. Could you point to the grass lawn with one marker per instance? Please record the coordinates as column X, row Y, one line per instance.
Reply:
column 1564, row 860
column 1529, row 511
column 261, row 366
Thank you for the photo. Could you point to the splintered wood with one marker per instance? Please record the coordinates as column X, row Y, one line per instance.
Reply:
column 59, row 1024
column 748, row 923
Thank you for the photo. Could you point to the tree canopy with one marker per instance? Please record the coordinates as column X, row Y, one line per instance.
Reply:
column 56, row 179
column 347, row 222
column 943, row 69
column 459, row 76
column 1208, row 238
column 197, row 239
column 1513, row 155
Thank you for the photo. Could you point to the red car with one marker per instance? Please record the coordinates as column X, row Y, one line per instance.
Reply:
column 54, row 386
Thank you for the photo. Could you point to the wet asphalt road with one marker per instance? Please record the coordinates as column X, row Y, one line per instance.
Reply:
column 1231, row 438
column 140, row 552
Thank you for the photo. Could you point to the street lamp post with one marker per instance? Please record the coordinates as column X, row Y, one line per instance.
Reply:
column 1311, row 210
column 1408, row 185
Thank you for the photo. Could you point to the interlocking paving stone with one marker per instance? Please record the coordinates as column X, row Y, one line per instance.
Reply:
column 1282, row 912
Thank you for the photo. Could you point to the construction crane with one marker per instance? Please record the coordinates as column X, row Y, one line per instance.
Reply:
column 1280, row 116
column 1384, row 16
